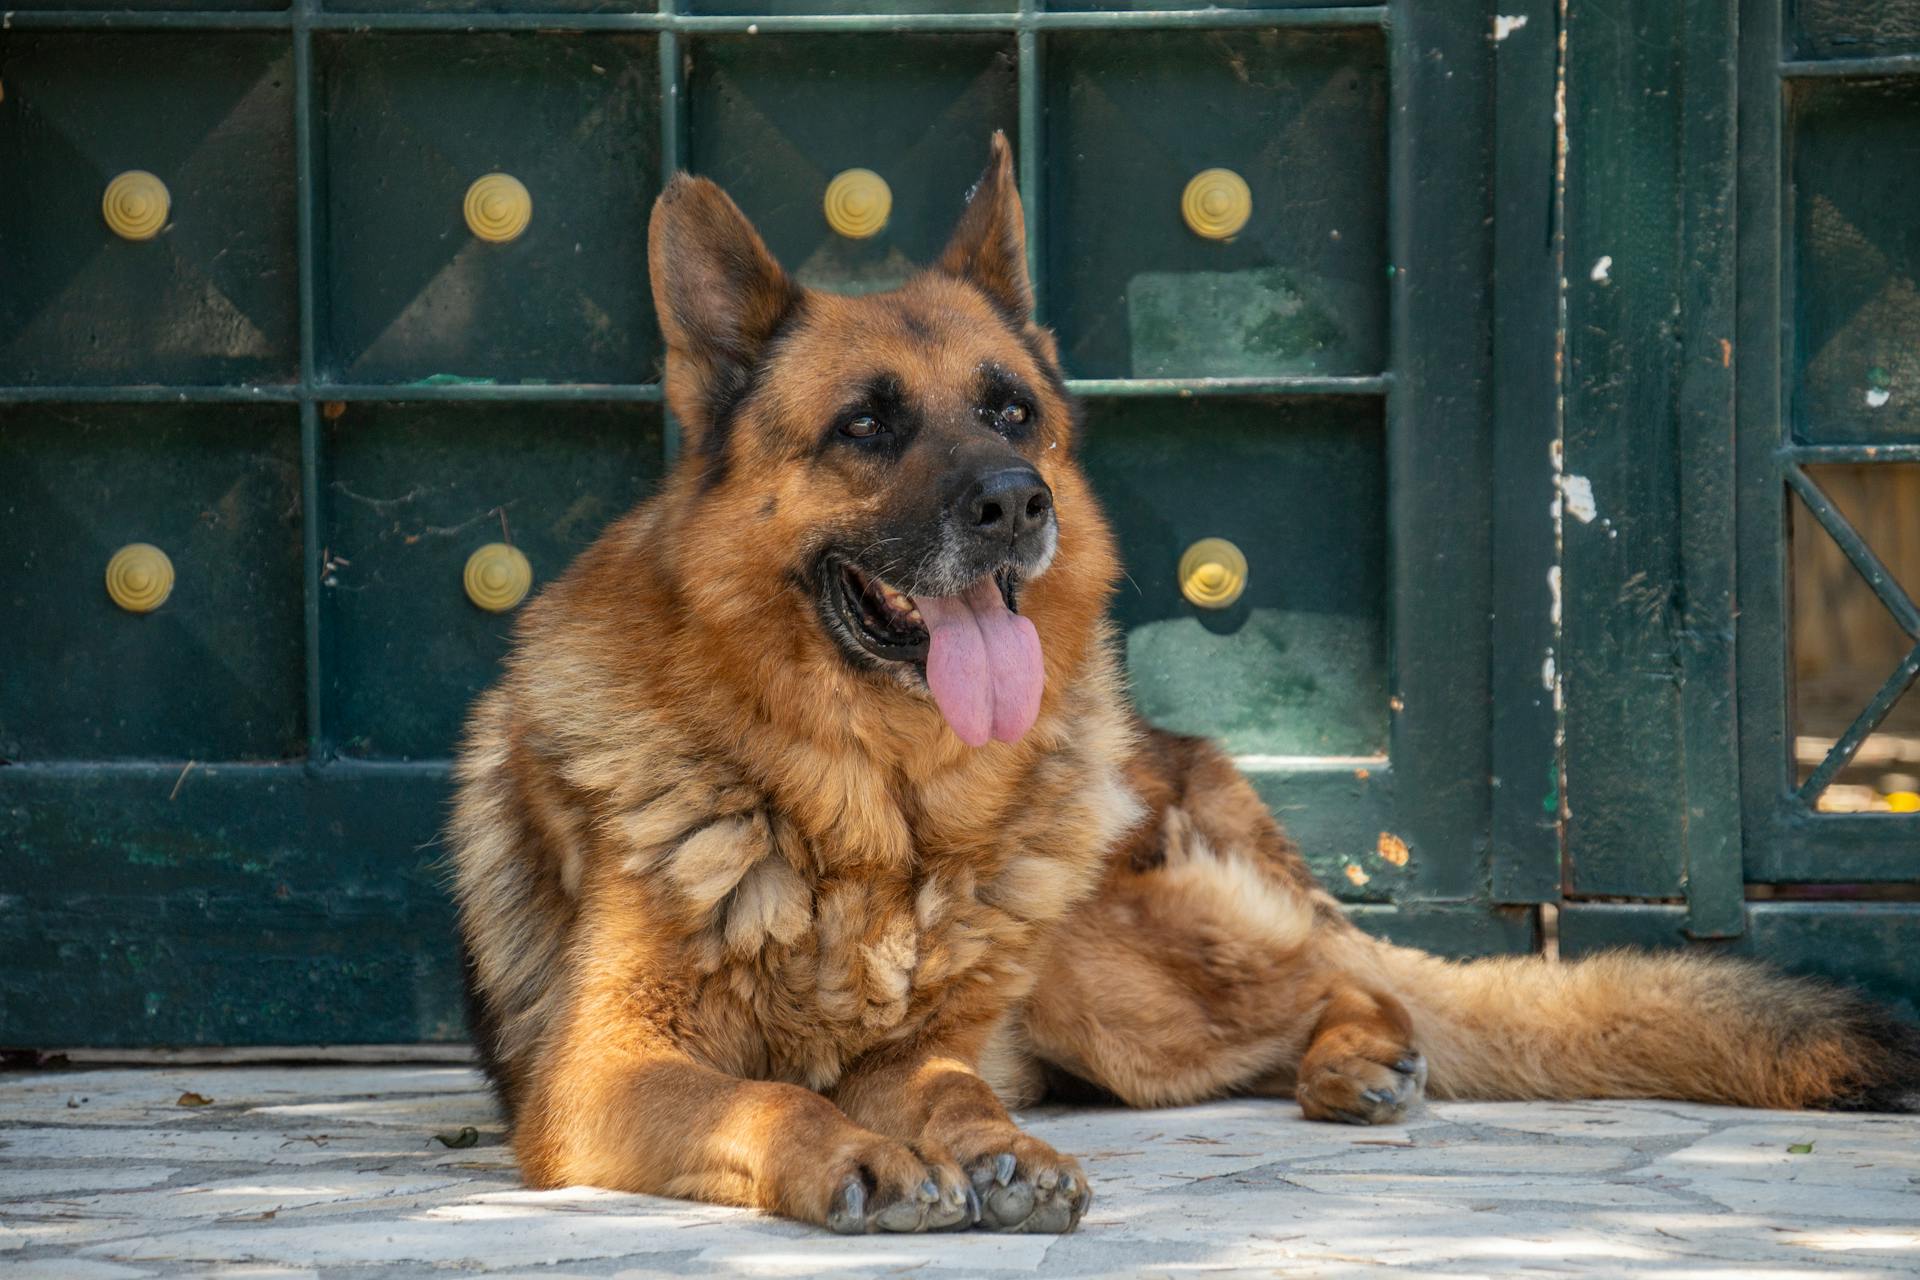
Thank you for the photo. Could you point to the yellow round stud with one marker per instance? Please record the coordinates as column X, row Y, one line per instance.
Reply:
column 498, row 207
column 139, row 577
column 858, row 203
column 1213, row 573
column 497, row 577
column 136, row 205
column 1216, row 204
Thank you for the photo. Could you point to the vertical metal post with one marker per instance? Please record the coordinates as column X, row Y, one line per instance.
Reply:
column 312, row 534
column 1528, row 258
column 1715, row 876
column 673, row 158
column 1031, row 48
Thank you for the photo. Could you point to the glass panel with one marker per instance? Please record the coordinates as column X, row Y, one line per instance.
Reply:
column 1857, row 265
column 412, row 491
column 775, row 120
column 214, row 669
column 210, row 294
column 1160, row 265
column 1296, row 665
column 413, row 293
column 1846, row 643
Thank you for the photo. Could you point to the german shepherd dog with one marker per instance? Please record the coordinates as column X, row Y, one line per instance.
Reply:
column 809, row 827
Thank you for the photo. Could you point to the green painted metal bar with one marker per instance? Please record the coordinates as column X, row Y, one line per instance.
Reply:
column 1845, row 747
column 1439, row 446
column 146, row 20
column 312, row 555
column 150, row 394
column 1806, row 847
column 643, row 392
column 880, row 23
column 1763, row 336
column 1817, row 454
column 673, row 158
column 1892, row 65
column 726, row 24
column 307, row 190
column 557, row 392
column 1303, row 385
column 1215, row 19
column 167, row 771
column 1704, row 410
column 1622, row 573
column 1884, row 584
column 1527, row 257
column 1031, row 158
column 312, row 513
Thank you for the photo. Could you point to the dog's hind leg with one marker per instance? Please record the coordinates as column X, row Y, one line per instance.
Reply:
column 1203, row 977
column 1210, row 963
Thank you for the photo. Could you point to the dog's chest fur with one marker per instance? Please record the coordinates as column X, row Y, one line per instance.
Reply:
column 803, row 958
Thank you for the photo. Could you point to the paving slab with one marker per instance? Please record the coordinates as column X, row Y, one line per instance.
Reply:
column 269, row 1170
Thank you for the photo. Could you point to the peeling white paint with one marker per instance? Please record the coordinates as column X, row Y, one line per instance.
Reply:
column 1877, row 396
column 1553, row 593
column 1547, row 673
column 1602, row 270
column 1505, row 25
column 1579, row 492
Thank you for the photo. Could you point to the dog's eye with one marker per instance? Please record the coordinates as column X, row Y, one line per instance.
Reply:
column 1013, row 414
column 864, row 427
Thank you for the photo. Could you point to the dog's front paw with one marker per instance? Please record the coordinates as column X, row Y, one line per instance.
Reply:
column 889, row 1187
column 1352, row 1089
column 1022, row 1184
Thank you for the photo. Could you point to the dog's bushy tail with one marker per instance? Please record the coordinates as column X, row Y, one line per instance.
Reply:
column 1636, row 1025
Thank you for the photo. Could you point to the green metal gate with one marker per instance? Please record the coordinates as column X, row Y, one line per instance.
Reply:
column 325, row 373
column 1742, row 343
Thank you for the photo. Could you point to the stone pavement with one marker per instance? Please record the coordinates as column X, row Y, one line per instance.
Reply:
column 334, row 1170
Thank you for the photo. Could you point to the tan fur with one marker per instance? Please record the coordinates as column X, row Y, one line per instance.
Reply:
column 746, row 922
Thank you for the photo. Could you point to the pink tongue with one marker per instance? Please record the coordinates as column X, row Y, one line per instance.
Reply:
column 983, row 663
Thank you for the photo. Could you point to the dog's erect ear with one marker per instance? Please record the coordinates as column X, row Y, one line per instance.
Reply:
column 718, row 293
column 989, row 247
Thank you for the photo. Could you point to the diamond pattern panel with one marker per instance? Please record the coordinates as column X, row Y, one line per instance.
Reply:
column 213, row 297
column 774, row 121
column 412, row 294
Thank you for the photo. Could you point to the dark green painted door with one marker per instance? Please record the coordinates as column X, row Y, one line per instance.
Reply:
column 1494, row 651
column 1736, row 495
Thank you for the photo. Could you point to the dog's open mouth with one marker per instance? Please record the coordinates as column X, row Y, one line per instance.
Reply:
column 980, row 657
column 887, row 622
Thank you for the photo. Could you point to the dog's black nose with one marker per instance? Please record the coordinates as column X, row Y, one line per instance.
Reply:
column 1005, row 503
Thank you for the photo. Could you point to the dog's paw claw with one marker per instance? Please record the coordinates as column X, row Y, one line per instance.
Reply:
column 848, row 1216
